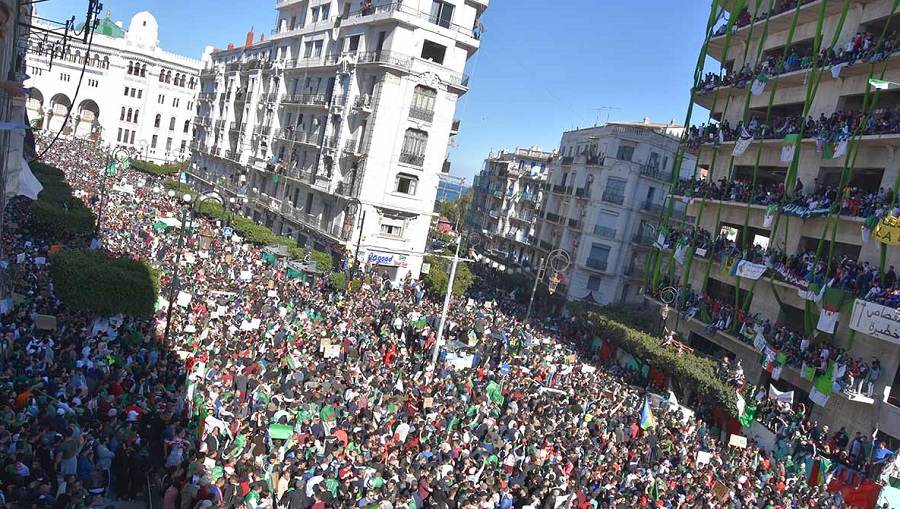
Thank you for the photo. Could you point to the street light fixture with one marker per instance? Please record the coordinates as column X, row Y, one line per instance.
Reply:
column 558, row 260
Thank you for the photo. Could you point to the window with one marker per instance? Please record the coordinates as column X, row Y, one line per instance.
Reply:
column 126, row 91
column 162, row 76
column 406, row 184
column 599, row 257
column 441, row 13
column 175, row 102
column 615, row 191
column 422, row 107
column 392, row 227
column 317, row 49
column 93, row 83
column 190, row 105
column 168, row 144
column 172, row 124
column 140, row 93
column 315, row 14
column 119, row 137
column 122, row 115
column 154, row 141
column 157, row 121
column 307, row 50
column 413, row 151
column 161, row 100
column 136, row 113
column 130, row 113
column 133, row 92
column 593, row 283
column 309, row 203
column 131, row 141
column 187, row 125
column 293, row 22
column 354, row 44
column 183, row 145
column 125, row 137
column 65, row 77
column 433, row 51
column 144, row 71
column 625, row 153
column 326, row 10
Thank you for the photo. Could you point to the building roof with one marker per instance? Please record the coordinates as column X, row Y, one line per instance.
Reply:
column 106, row 27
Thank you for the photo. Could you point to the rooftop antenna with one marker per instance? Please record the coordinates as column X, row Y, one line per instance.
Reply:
column 607, row 109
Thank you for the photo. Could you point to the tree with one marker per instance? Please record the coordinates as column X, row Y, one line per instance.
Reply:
column 94, row 282
column 457, row 209
column 438, row 275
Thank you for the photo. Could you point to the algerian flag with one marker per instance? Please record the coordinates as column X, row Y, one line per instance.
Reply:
column 746, row 417
column 741, row 404
column 811, row 293
column 866, row 229
column 759, row 84
column 126, row 163
column 879, row 84
column 494, row 392
column 770, row 215
column 789, row 146
column 831, row 302
column 841, row 148
column 111, row 169
column 821, row 391
column 680, row 251
column 661, row 238
column 399, row 385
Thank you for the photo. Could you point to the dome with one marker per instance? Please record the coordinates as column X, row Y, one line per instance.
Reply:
column 143, row 29
column 107, row 28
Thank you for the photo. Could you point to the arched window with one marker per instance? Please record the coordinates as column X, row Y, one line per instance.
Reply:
column 169, row 77
column 77, row 57
column 130, row 113
column 130, row 68
column 172, row 124
column 413, row 151
column 122, row 116
column 187, row 125
column 182, row 81
column 144, row 71
column 162, row 76
column 157, row 121
column 177, row 77
column 106, row 62
column 136, row 113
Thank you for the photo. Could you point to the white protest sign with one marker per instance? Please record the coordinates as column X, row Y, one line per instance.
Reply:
column 876, row 320
column 183, row 299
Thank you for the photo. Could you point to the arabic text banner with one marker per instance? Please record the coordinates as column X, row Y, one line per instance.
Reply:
column 876, row 320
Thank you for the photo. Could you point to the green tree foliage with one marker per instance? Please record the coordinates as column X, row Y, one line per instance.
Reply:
column 337, row 280
column 56, row 212
column 458, row 209
column 439, row 274
column 156, row 169
column 694, row 371
column 324, row 261
column 91, row 281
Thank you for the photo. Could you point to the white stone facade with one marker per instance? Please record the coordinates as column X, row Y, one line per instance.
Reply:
column 133, row 93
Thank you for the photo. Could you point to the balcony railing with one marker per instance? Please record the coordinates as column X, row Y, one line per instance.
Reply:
column 234, row 126
column 583, row 192
column 634, row 271
column 545, row 245
column 220, row 124
column 613, row 197
column 233, row 155
column 207, row 96
column 262, row 129
column 306, row 99
column 528, row 196
column 330, row 142
column 562, row 189
column 644, row 238
column 421, row 114
column 553, row 218
column 596, row 264
column 575, row 223
column 412, row 158
column 604, row 232
column 656, row 173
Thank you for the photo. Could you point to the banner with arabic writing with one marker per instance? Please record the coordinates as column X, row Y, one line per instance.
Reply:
column 888, row 231
column 876, row 320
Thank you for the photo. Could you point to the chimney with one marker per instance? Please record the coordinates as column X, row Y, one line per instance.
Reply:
column 262, row 37
column 230, row 46
column 250, row 37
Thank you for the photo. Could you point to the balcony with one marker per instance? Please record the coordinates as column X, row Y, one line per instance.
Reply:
column 605, row 232
column 644, row 238
column 195, row 145
column 234, row 126
column 233, row 155
column 305, row 99
column 582, row 192
column 546, row 246
column 209, row 72
column 529, row 196
column 220, row 124
column 613, row 197
column 270, row 98
column 454, row 127
column 653, row 208
column 422, row 114
column 363, row 102
column 330, row 142
column 635, row 271
column 560, row 189
column 412, row 158
column 575, row 224
column 261, row 130
column 599, row 265
column 207, row 96
column 553, row 218
column 655, row 173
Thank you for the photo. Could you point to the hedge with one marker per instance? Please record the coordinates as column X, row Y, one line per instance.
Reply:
column 337, row 281
column 56, row 211
column 249, row 230
column 94, row 282
column 698, row 373
column 156, row 169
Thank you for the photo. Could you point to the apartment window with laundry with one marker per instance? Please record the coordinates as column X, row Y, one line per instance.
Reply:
column 422, row 107
column 441, row 13
column 414, row 144
column 406, row 183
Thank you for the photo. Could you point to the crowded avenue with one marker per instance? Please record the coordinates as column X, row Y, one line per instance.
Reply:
column 274, row 390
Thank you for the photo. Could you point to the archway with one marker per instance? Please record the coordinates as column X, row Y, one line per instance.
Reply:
column 88, row 115
column 60, row 105
column 35, row 107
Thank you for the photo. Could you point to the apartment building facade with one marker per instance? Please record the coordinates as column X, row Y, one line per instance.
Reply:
column 344, row 135
column 508, row 193
column 133, row 93
column 868, row 167
column 603, row 196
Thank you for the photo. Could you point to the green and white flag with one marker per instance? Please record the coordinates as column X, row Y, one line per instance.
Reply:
column 741, row 145
column 680, row 250
column 111, row 169
column 831, row 303
column 879, row 84
column 661, row 238
column 759, row 84
column 789, row 146
column 821, row 390
column 769, row 218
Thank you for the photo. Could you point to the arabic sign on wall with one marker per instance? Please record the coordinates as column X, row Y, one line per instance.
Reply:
column 875, row 320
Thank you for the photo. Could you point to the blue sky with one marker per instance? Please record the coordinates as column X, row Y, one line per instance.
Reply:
column 544, row 67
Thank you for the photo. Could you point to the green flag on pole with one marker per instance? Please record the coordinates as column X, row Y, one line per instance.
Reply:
column 746, row 418
column 111, row 169
column 879, row 84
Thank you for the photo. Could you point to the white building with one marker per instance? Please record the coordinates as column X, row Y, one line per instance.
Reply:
column 604, row 197
column 338, row 139
column 132, row 93
column 509, row 192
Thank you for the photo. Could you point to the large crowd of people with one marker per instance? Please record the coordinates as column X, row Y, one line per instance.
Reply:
column 275, row 390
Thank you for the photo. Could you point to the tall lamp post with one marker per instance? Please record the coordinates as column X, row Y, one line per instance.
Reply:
column 559, row 261
column 119, row 156
column 668, row 296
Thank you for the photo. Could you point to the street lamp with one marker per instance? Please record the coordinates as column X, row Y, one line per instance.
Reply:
column 558, row 260
column 669, row 296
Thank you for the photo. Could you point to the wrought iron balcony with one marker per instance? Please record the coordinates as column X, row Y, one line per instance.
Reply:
column 613, row 197
column 412, row 158
column 600, row 265
column 421, row 114
column 605, row 232
column 655, row 173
